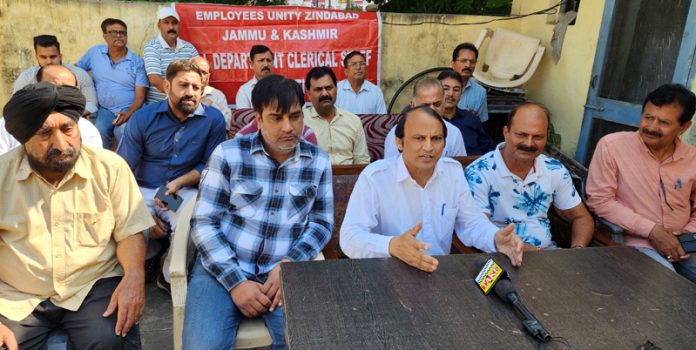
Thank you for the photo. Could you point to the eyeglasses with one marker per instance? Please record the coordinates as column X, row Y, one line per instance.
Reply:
column 117, row 33
column 357, row 64
column 465, row 61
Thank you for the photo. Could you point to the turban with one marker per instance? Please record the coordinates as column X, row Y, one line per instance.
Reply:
column 28, row 108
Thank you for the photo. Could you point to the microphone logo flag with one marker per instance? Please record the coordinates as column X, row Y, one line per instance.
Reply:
column 489, row 275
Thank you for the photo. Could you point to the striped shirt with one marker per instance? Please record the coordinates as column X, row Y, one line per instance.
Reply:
column 158, row 55
column 252, row 213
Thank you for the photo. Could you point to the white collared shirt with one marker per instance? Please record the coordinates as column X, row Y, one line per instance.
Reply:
column 386, row 202
column 243, row 99
column 454, row 143
column 525, row 202
column 368, row 100
column 217, row 99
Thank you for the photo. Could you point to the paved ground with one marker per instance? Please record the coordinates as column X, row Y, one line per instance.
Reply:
column 156, row 323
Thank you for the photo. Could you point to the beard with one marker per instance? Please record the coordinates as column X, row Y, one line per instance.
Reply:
column 188, row 109
column 51, row 163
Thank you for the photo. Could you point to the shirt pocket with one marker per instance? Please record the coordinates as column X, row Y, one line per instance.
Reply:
column 244, row 197
column 444, row 235
column 93, row 229
column 301, row 198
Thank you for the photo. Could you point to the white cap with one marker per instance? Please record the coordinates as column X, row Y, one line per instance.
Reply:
column 167, row 12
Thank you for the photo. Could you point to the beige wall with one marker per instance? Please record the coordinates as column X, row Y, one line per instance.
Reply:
column 75, row 23
column 563, row 86
column 408, row 49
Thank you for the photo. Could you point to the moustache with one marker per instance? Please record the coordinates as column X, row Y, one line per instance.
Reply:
column 265, row 69
column 171, row 31
column 325, row 98
column 468, row 70
column 55, row 153
column 652, row 133
column 527, row 148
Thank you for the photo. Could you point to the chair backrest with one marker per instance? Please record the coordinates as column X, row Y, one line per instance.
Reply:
column 240, row 118
column 377, row 126
column 509, row 54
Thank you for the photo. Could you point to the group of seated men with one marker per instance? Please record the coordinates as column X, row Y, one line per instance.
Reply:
column 82, row 220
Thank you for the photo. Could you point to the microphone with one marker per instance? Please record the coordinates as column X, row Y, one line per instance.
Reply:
column 493, row 277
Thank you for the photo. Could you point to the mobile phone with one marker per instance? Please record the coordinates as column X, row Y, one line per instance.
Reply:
column 688, row 242
column 172, row 201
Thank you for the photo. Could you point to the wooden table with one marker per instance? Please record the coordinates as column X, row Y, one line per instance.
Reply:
column 596, row 298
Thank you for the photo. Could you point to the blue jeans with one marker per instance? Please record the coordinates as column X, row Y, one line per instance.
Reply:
column 107, row 130
column 211, row 318
column 686, row 268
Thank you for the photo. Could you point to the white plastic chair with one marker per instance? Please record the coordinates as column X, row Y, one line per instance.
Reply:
column 252, row 333
column 509, row 60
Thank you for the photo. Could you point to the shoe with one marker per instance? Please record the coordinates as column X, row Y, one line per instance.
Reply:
column 163, row 284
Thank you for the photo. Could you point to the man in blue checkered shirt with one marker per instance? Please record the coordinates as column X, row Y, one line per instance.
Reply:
column 264, row 199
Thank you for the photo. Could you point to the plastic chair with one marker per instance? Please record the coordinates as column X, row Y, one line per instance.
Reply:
column 510, row 59
column 252, row 333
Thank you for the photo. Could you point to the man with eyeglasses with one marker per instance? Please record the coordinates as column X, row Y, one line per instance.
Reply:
column 356, row 94
column 464, row 59
column 475, row 138
column 428, row 91
column 47, row 51
column 119, row 75
column 645, row 181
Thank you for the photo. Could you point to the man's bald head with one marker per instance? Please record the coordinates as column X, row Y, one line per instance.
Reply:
column 56, row 74
column 204, row 67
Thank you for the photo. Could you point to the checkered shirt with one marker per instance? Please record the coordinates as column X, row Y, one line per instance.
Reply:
column 252, row 212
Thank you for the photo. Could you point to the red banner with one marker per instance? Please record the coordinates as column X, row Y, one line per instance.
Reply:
column 300, row 38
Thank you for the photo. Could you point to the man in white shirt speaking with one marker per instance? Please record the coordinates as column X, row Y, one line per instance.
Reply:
column 408, row 206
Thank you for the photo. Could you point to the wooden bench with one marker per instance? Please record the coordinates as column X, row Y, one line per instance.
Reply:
column 345, row 176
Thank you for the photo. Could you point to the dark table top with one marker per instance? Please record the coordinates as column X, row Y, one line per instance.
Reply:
column 595, row 298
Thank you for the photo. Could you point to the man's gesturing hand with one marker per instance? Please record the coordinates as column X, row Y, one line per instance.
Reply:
column 409, row 250
column 250, row 299
column 510, row 244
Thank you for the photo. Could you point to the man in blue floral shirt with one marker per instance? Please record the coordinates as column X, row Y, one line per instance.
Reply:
column 264, row 199
column 515, row 183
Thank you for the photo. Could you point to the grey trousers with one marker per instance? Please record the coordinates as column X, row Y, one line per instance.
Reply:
column 86, row 327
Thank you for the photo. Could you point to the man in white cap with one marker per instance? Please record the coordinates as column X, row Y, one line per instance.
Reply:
column 162, row 50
